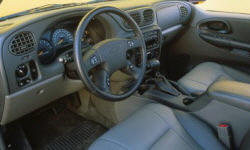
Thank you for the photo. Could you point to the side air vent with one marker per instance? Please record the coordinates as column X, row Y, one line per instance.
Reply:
column 22, row 43
column 183, row 11
column 148, row 17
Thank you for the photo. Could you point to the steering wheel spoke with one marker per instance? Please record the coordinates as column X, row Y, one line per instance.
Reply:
column 102, row 80
column 133, row 70
column 134, row 43
column 91, row 59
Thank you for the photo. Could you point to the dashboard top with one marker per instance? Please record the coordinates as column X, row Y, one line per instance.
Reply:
column 126, row 5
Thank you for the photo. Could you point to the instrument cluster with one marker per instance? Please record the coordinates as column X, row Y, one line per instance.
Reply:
column 60, row 38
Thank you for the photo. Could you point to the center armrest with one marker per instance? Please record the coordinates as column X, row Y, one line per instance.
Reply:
column 231, row 92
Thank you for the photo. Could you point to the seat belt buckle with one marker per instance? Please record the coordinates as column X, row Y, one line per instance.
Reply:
column 225, row 135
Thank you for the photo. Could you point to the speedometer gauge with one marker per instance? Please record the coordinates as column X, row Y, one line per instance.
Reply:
column 62, row 37
column 46, row 52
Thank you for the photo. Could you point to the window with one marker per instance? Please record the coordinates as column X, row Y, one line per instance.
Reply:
column 232, row 6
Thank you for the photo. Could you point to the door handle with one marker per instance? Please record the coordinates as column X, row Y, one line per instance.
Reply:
column 215, row 26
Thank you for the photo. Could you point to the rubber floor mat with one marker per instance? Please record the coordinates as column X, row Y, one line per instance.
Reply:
column 80, row 138
column 63, row 130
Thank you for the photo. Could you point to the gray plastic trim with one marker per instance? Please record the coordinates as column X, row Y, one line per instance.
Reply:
column 169, row 33
column 171, row 29
column 31, row 98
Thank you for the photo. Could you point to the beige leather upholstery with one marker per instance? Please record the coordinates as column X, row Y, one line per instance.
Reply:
column 157, row 127
column 202, row 76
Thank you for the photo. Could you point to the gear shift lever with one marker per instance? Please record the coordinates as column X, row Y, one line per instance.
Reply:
column 159, row 80
column 164, row 85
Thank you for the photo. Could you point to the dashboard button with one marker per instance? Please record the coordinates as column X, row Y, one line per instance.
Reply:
column 33, row 70
column 21, row 71
column 27, row 81
column 20, row 84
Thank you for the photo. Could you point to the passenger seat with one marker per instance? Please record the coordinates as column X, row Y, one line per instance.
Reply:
column 202, row 76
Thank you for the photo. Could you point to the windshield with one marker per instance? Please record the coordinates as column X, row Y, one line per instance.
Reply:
column 9, row 7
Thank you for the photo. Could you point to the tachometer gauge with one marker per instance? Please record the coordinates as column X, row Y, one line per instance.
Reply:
column 46, row 52
column 62, row 37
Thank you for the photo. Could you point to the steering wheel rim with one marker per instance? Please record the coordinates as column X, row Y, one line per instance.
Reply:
column 81, row 63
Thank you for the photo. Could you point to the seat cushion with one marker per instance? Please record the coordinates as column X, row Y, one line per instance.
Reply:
column 197, row 81
column 157, row 127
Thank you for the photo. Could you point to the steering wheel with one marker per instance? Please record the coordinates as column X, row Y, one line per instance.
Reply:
column 109, row 56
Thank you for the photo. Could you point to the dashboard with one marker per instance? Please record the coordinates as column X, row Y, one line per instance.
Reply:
column 31, row 73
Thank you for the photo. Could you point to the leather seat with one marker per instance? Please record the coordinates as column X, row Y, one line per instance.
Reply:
column 157, row 127
column 202, row 76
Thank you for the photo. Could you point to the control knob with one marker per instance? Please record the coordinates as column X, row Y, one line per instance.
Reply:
column 21, row 71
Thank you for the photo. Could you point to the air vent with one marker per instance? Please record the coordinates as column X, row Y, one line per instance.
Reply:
column 142, row 17
column 148, row 16
column 183, row 11
column 22, row 43
column 137, row 17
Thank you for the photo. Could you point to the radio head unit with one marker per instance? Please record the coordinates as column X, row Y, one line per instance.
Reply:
column 152, row 40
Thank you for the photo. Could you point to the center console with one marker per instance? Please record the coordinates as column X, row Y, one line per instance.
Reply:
column 155, row 85
column 153, row 43
column 153, row 38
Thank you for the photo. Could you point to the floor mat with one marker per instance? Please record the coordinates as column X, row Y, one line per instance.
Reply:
column 61, row 131
column 79, row 138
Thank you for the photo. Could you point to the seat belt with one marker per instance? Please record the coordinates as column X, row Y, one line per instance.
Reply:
column 225, row 135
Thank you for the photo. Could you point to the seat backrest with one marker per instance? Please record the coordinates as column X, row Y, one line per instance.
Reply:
column 245, row 144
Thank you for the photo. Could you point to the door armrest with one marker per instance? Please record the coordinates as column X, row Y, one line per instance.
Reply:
column 231, row 92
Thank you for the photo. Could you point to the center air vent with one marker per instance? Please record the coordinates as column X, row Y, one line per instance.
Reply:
column 136, row 16
column 22, row 43
column 148, row 16
column 142, row 17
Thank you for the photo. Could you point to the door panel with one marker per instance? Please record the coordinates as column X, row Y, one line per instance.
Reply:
column 211, row 36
